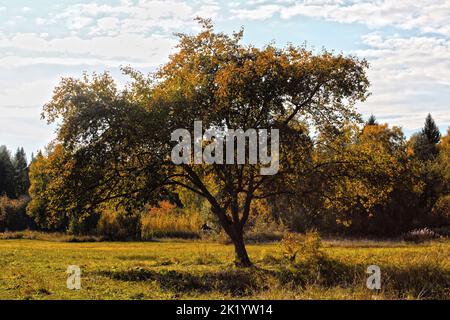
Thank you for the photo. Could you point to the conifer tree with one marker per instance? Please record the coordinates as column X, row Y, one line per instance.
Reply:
column 7, row 186
column 22, row 182
column 425, row 144
column 431, row 131
column 372, row 120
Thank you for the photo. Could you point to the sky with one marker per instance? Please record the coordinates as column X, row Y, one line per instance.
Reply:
column 406, row 42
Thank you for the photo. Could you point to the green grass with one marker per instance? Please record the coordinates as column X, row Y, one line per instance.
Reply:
column 35, row 269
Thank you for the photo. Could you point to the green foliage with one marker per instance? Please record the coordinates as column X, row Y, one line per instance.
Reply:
column 46, row 173
column 441, row 185
column 370, row 183
column 431, row 131
column 117, row 142
column 13, row 215
column 441, row 209
column 113, row 148
column 14, row 181
column 372, row 121
column 7, row 183
column 425, row 142
column 297, row 247
column 263, row 228
column 22, row 182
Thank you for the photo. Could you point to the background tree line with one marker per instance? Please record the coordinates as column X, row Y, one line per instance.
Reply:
column 411, row 193
column 416, row 173
column 14, row 181
column 14, row 185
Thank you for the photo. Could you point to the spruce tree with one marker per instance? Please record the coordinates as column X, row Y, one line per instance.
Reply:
column 7, row 183
column 372, row 120
column 431, row 131
column 22, row 182
column 425, row 145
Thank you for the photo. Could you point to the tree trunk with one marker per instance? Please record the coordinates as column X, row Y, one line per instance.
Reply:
column 234, row 230
column 241, row 255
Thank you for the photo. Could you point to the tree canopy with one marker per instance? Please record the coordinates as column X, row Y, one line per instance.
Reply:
column 115, row 144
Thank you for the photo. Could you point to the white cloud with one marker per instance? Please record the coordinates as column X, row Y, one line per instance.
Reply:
column 108, row 25
column 25, row 94
column 234, row 4
column 78, row 22
column 140, row 17
column 103, row 50
column 20, row 109
column 409, row 79
column 40, row 21
column 208, row 11
column 259, row 13
column 425, row 15
column 409, row 74
column 25, row 131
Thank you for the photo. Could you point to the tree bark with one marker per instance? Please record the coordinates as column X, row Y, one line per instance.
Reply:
column 241, row 256
column 233, row 226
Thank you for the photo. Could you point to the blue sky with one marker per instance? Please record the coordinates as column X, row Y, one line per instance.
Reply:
column 406, row 42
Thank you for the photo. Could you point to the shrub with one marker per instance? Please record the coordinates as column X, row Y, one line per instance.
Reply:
column 420, row 235
column 119, row 225
column 295, row 246
column 167, row 221
column 441, row 208
column 13, row 215
column 443, row 231
column 264, row 229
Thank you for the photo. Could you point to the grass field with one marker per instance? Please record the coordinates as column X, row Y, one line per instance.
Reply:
column 36, row 269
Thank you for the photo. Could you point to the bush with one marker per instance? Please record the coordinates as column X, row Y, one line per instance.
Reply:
column 166, row 221
column 420, row 235
column 13, row 215
column 118, row 225
column 295, row 246
column 441, row 208
column 443, row 231
column 264, row 229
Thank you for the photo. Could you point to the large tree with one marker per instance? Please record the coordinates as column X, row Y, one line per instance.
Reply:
column 117, row 144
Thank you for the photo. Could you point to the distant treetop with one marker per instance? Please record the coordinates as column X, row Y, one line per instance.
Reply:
column 372, row 120
column 431, row 131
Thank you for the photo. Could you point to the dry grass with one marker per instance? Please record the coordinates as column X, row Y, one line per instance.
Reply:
column 167, row 221
column 47, row 236
column 33, row 269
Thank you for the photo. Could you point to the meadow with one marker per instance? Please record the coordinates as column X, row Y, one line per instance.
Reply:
column 196, row 269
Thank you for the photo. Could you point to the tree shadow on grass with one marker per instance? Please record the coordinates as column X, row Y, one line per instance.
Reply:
column 234, row 282
column 419, row 281
column 422, row 281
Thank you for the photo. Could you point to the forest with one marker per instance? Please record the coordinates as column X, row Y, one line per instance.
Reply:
column 418, row 195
